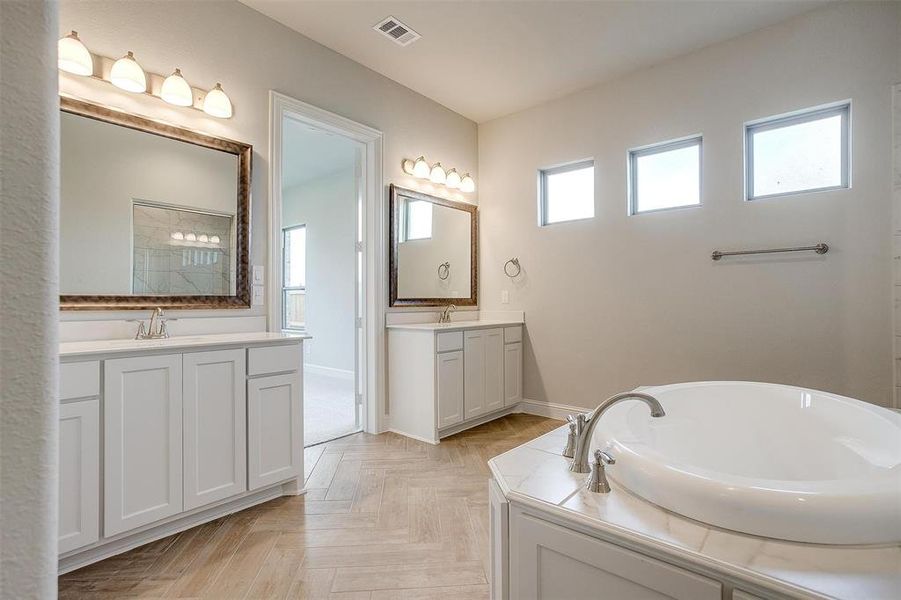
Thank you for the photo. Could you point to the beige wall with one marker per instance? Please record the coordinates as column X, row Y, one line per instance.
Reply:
column 619, row 301
column 251, row 54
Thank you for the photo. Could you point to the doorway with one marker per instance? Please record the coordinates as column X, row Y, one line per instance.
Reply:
column 322, row 202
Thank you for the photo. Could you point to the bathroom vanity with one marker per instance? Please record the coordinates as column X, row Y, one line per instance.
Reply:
column 447, row 377
column 160, row 435
column 552, row 539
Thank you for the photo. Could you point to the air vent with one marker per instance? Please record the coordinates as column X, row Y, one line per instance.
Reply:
column 396, row 31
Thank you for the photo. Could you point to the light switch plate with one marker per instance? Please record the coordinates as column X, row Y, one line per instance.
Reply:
column 257, row 299
column 258, row 274
column 505, row 297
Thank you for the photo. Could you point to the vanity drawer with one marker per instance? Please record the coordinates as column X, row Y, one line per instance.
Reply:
column 450, row 341
column 512, row 334
column 273, row 359
column 79, row 380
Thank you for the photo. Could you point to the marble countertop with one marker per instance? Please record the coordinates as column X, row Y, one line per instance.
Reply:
column 537, row 476
column 456, row 325
column 97, row 347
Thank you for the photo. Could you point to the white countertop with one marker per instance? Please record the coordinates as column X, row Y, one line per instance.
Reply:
column 455, row 325
column 536, row 475
column 69, row 349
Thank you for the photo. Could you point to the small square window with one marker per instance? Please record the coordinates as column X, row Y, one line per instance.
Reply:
column 417, row 220
column 666, row 175
column 807, row 152
column 566, row 193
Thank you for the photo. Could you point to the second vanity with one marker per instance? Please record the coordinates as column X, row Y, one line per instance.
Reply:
column 447, row 377
column 160, row 435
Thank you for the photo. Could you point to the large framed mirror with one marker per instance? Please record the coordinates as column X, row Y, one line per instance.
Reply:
column 434, row 254
column 151, row 215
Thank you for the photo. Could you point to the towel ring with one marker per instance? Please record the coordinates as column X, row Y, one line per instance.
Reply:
column 444, row 271
column 515, row 267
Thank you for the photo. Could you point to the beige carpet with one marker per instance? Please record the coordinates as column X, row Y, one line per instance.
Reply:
column 328, row 407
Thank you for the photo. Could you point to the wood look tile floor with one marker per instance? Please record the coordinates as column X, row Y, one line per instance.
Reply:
column 385, row 517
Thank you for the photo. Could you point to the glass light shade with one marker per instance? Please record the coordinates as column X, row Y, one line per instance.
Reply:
column 74, row 56
column 467, row 184
column 177, row 235
column 191, row 237
column 407, row 165
column 214, row 239
column 421, row 168
column 175, row 90
column 217, row 104
column 128, row 75
column 453, row 179
column 203, row 238
column 438, row 174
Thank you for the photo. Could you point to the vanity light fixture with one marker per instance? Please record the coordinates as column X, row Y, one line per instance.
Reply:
column 421, row 168
column 176, row 90
column 407, row 165
column 453, row 179
column 128, row 75
column 74, row 56
column 438, row 174
column 467, row 184
column 217, row 103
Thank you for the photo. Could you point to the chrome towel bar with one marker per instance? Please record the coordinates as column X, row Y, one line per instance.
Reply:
column 820, row 248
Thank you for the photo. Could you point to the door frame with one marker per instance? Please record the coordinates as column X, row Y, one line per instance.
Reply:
column 375, row 209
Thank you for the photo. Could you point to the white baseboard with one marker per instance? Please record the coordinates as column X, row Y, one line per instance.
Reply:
column 548, row 409
column 329, row 371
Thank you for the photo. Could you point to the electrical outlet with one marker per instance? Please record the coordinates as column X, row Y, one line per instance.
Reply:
column 505, row 297
column 259, row 273
column 258, row 294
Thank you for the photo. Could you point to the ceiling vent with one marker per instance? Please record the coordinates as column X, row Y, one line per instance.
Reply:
column 396, row 31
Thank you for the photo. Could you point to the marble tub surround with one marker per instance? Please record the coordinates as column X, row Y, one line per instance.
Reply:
column 535, row 476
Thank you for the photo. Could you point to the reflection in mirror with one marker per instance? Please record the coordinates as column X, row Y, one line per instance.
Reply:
column 433, row 250
column 156, row 213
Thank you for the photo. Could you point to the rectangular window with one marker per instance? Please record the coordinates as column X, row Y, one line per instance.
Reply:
column 805, row 152
column 417, row 220
column 566, row 193
column 666, row 175
column 294, row 276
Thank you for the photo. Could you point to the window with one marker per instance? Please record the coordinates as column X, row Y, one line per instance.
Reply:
column 294, row 276
column 665, row 176
column 801, row 153
column 566, row 193
column 417, row 220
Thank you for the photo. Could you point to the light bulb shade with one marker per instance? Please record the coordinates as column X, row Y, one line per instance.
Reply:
column 438, row 174
column 407, row 165
column 453, row 179
column 467, row 184
column 214, row 239
column 175, row 90
column 217, row 104
column 177, row 235
column 421, row 168
column 73, row 56
column 203, row 237
column 128, row 75
column 191, row 237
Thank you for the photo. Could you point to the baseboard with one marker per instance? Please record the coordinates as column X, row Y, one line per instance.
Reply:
column 418, row 438
column 329, row 371
column 548, row 409
column 454, row 429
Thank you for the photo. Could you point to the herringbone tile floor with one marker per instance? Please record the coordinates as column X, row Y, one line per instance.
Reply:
column 385, row 517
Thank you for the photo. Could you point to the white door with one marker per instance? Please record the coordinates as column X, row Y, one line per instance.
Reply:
column 274, row 429
column 494, row 369
column 142, row 417
column 512, row 373
column 473, row 374
column 79, row 474
column 215, row 426
column 450, row 388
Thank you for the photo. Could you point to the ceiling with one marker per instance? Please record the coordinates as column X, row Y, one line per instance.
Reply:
column 311, row 153
column 486, row 59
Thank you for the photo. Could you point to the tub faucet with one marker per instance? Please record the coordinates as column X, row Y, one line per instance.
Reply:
column 586, row 422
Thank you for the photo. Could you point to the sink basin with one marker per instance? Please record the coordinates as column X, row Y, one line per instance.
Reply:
column 769, row 460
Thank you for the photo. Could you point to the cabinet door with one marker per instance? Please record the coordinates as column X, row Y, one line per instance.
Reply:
column 79, row 474
column 215, row 425
column 550, row 562
column 494, row 369
column 498, row 510
column 450, row 388
column 512, row 373
column 473, row 374
column 142, row 417
column 274, row 429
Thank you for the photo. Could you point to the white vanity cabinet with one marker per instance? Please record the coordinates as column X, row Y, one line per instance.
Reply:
column 445, row 378
column 188, row 430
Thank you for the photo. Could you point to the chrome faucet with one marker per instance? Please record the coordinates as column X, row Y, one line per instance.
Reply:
column 445, row 316
column 583, row 425
column 153, row 332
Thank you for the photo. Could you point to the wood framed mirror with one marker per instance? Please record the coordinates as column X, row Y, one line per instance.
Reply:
column 434, row 254
column 151, row 215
